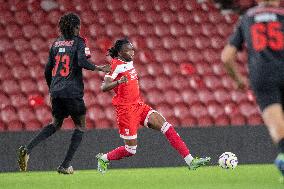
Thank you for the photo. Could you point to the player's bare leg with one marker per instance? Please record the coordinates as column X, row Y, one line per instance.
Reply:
column 129, row 149
column 159, row 123
column 273, row 118
column 24, row 151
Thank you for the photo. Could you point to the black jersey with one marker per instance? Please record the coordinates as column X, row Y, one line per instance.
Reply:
column 63, row 71
column 261, row 29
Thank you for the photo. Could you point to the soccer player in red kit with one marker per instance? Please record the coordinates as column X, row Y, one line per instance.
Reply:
column 132, row 111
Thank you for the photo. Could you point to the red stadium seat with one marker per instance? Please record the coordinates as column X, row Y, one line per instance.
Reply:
column 194, row 55
column 205, row 96
column 97, row 5
column 212, row 82
column 153, row 17
column 5, row 73
column 21, row 44
column 23, row 17
column 94, row 84
column 33, row 125
column 68, row 124
column 166, row 110
column 121, row 17
column 144, row 5
column 192, row 6
column 20, row 72
column 161, row 29
column 181, row 111
column 237, row 120
column 255, row 120
column 211, row 56
column 2, row 126
column 8, row 114
column 103, row 124
column 248, row 109
column 173, row 120
column 198, row 111
column 147, row 83
column 129, row 29
column 154, row 69
column 47, row 31
column 200, row 17
column 15, row 126
column 153, row 42
column 4, row 100
column 162, row 55
column 14, row 31
column 189, row 96
column 228, row 82
column 222, row 96
column 218, row 69
column 222, row 120
column 209, row 30
column 42, row 86
column 36, row 71
column 179, row 56
column 169, row 17
column 128, row 5
column 29, row 58
column 204, row 69
column 170, row 42
column 3, row 32
column 176, row 5
column 19, row 99
column 172, row 97
column 189, row 122
column 238, row 96
column 113, row 5
column 205, row 121
column 202, row 42
column 30, row 31
column 6, row 17
column 137, row 17
column 95, row 113
column 215, row 110
column 28, row 86
column 43, row 114
column 170, row 68
column 145, row 29
column 180, row 82
column 104, row 99
column 39, row 44
column 10, row 87
column 104, row 17
column 217, row 42
column 90, row 98
column 196, row 83
column 26, row 113
column 96, row 30
column 185, row 42
column 163, row 83
column 110, row 113
column 215, row 17
column 5, row 45
column 160, row 5
column 184, row 17
column 54, row 15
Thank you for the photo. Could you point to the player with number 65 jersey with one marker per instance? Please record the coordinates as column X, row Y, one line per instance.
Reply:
column 262, row 30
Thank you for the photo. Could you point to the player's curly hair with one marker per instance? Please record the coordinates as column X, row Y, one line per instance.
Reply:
column 113, row 51
column 68, row 23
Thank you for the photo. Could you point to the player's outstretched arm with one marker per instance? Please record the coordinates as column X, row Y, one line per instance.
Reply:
column 109, row 84
column 228, row 57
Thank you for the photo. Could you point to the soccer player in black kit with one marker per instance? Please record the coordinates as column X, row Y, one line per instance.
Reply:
column 63, row 74
column 262, row 29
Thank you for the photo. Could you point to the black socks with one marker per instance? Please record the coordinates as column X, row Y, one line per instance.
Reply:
column 44, row 134
column 75, row 142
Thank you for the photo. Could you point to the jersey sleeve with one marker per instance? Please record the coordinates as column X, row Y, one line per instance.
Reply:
column 237, row 38
column 114, row 71
column 82, row 58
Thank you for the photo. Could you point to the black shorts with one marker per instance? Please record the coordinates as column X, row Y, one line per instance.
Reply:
column 63, row 107
column 268, row 92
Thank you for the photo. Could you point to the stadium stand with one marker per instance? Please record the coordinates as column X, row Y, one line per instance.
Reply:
column 178, row 59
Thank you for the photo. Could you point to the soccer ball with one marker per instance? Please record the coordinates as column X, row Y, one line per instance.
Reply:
column 228, row 160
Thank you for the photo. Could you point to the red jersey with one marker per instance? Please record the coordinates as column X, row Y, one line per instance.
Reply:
column 125, row 93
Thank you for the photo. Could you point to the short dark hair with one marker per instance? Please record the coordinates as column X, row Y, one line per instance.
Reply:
column 68, row 23
column 113, row 51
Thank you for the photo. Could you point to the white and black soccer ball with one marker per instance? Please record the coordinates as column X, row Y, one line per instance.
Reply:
column 228, row 160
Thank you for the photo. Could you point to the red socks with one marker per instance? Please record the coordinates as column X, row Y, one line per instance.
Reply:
column 174, row 139
column 121, row 152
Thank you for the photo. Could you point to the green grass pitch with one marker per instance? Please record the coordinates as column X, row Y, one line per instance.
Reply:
column 213, row 177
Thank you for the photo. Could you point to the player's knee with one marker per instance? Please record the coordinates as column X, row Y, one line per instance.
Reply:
column 131, row 149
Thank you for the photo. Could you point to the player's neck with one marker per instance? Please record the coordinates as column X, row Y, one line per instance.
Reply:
column 123, row 60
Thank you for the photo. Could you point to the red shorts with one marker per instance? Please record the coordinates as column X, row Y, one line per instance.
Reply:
column 129, row 117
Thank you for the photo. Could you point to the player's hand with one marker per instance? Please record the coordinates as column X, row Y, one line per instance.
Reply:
column 104, row 68
column 123, row 79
